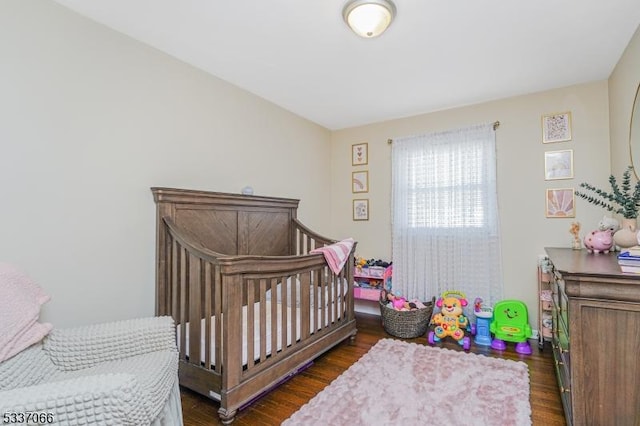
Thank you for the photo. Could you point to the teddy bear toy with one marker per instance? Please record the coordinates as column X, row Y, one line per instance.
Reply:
column 451, row 321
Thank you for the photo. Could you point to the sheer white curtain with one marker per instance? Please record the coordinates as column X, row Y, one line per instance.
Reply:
column 445, row 215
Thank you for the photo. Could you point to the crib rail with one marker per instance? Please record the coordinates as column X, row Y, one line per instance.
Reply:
column 193, row 293
column 310, row 302
column 265, row 308
column 305, row 240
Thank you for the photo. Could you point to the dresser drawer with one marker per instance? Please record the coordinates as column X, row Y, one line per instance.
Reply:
column 563, row 373
column 560, row 333
column 562, row 369
column 563, row 307
column 561, row 346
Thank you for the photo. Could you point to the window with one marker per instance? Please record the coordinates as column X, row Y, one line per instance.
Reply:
column 445, row 216
column 445, row 191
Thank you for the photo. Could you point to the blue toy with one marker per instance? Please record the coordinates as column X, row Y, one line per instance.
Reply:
column 484, row 315
column 511, row 324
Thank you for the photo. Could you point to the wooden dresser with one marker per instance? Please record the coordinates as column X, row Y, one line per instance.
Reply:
column 596, row 338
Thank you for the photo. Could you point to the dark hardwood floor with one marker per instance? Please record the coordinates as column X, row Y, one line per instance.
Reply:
column 286, row 399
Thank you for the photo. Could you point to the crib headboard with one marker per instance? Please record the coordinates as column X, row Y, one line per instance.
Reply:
column 231, row 224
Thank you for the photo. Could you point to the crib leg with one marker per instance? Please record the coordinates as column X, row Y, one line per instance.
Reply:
column 226, row 417
column 352, row 339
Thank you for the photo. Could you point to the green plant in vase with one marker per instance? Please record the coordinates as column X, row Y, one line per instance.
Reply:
column 623, row 199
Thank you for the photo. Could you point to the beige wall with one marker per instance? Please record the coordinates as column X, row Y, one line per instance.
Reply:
column 521, row 185
column 623, row 84
column 90, row 120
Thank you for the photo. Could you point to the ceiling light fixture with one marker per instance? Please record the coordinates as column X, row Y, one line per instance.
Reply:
column 369, row 18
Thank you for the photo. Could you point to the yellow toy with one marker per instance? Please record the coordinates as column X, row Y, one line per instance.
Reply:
column 451, row 321
column 360, row 262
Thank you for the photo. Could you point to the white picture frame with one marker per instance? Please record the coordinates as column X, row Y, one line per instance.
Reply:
column 360, row 181
column 360, row 154
column 558, row 164
column 361, row 209
column 556, row 127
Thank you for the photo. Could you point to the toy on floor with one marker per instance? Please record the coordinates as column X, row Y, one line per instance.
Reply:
column 511, row 324
column 451, row 321
column 484, row 315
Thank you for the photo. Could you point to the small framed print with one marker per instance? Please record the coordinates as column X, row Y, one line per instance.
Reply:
column 360, row 181
column 560, row 203
column 558, row 164
column 360, row 154
column 556, row 127
column 361, row 209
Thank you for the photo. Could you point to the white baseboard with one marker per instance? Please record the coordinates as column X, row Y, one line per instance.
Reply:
column 367, row 307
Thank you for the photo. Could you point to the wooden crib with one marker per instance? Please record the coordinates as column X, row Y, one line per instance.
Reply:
column 220, row 254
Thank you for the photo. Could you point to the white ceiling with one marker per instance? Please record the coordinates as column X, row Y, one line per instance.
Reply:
column 437, row 54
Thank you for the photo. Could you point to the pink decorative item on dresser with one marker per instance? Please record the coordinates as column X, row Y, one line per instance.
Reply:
column 599, row 241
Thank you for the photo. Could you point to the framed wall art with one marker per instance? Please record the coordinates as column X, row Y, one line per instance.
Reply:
column 556, row 127
column 361, row 209
column 360, row 154
column 560, row 203
column 360, row 181
column 558, row 164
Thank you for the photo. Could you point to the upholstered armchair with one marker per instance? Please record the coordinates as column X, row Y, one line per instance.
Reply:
column 118, row 373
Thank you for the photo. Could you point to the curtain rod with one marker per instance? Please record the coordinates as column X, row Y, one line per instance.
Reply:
column 496, row 124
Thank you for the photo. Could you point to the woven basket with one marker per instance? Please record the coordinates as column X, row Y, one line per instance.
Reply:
column 406, row 324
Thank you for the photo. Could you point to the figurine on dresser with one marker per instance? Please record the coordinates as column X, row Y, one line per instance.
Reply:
column 601, row 240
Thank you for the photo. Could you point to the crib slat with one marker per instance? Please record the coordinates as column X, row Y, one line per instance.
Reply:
column 315, row 307
column 167, row 302
column 336, row 287
column 183, row 303
column 207, row 315
column 263, row 320
column 343, row 294
column 324, row 297
column 274, row 317
column 217, row 309
column 195, row 301
column 285, row 313
column 301, row 243
column 294, row 309
column 305, row 288
column 250, row 323
column 322, row 312
column 175, row 294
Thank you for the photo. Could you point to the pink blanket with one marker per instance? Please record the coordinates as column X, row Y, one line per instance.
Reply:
column 336, row 254
column 20, row 302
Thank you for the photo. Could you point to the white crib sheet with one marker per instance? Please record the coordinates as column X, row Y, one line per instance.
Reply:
column 256, row 339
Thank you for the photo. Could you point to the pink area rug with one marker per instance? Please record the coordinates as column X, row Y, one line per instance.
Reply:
column 400, row 383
